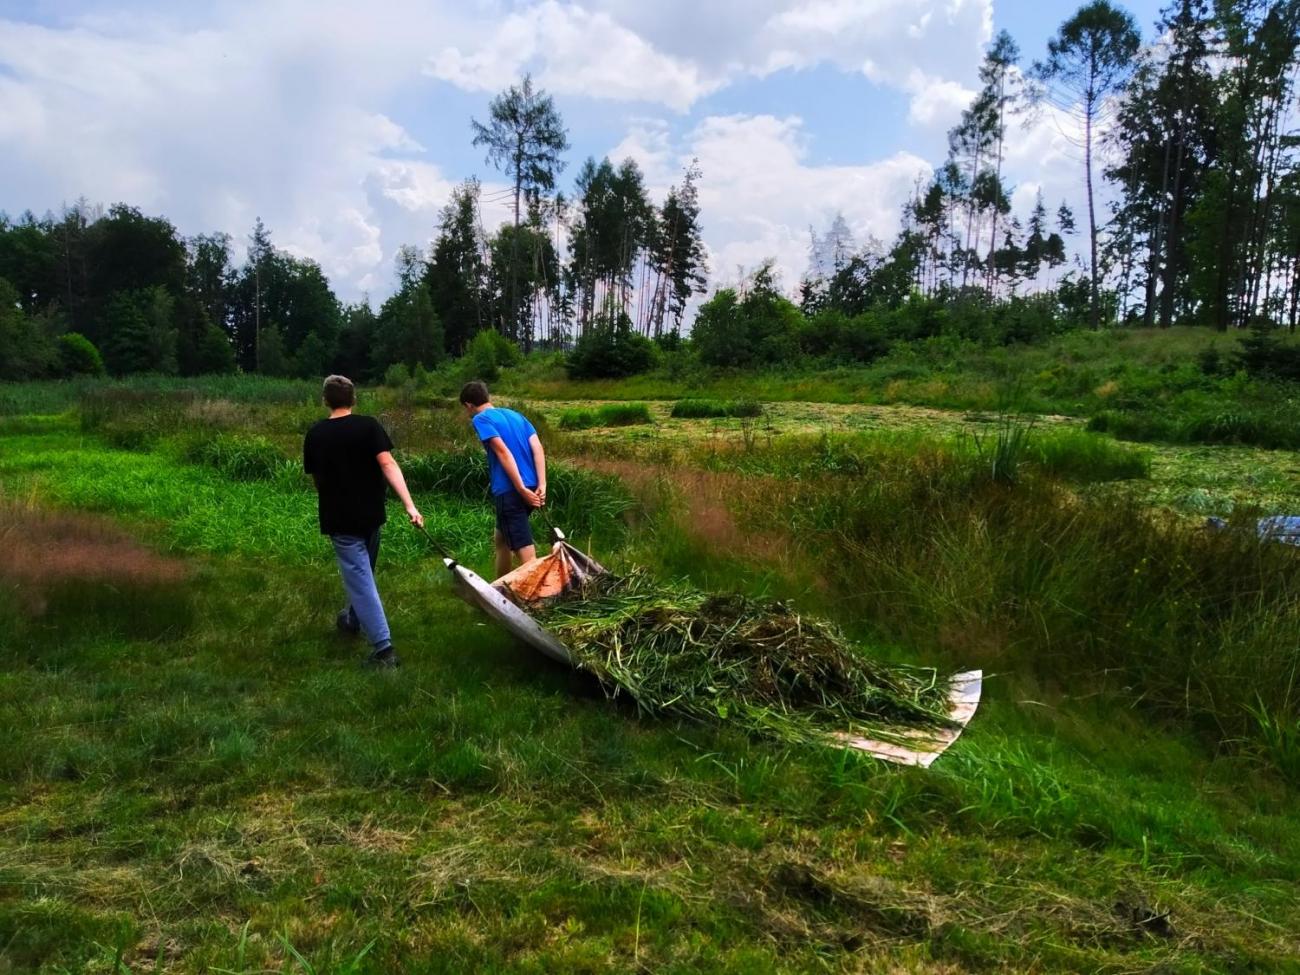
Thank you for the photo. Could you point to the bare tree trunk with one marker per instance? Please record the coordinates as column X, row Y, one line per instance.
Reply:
column 970, row 212
column 1251, row 264
column 1295, row 293
column 991, row 277
column 1094, row 310
column 1156, row 246
column 511, row 301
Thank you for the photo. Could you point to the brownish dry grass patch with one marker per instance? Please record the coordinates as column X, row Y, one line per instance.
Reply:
column 705, row 502
column 43, row 548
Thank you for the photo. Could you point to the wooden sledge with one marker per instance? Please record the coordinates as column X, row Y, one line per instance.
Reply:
column 550, row 576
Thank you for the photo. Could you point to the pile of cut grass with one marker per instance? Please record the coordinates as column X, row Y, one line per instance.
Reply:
column 608, row 415
column 699, row 409
column 759, row 666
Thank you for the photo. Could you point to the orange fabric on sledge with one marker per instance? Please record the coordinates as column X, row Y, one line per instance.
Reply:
column 550, row 576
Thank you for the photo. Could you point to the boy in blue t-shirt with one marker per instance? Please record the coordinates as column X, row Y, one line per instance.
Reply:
column 516, row 469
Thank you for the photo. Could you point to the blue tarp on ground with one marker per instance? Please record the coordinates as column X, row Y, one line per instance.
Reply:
column 1281, row 528
column 1275, row 528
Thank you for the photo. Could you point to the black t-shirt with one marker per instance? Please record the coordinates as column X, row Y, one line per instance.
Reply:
column 341, row 454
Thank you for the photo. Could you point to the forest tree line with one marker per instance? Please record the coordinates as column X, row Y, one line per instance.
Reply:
column 1188, row 166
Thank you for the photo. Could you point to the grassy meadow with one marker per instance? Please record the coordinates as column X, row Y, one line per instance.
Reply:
column 200, row 778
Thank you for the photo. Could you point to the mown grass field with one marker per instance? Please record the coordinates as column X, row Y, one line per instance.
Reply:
column 1174, row 386
column 1196, row 480
column 200, row 778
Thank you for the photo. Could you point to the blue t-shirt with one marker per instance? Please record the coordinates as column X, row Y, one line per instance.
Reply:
column 514, row 430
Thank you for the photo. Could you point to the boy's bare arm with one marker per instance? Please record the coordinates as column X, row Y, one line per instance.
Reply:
column 393, row 475
column 539, row 462
column 498, row 447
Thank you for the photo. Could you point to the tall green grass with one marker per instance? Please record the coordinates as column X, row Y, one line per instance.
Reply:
column 58, row 395
column 1001, row 451
column 486, row 811
column 1277, row 734
column 578, row 500
column 696, row 409
column 606, row 415
column 1272, row 426
column 206, row 510
column 1004, row 453
column 1083, row 457
column 1085, row 591
column 240, row 457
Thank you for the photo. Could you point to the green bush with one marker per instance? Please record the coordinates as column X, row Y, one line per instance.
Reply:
column 129, row 416
column 697, row 409
column 460, row 473
column 78, row 356
column 1277, row 738
column 1264, row 354
column 832, row 335
column 760, row 329
column 1001, row 452
column 1243, row 427
column 611, row 350
column 1027, row 319
column 1212, row 362
column 26, row 351
column 488, row 353
column 608, row 415
column 396, row 376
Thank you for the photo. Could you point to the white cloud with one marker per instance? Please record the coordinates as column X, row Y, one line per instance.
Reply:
column 760, row 194
column 676, row 51
column 936, row 101
column 219, row 113
column 413, row 185
column 649, row 142
column 255, row 114
column 576, row 51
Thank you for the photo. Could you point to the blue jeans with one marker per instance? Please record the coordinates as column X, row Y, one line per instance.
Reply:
column 357, row 557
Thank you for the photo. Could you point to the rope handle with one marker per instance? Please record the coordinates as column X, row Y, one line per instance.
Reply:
column 439, row 546
column 546, row 517
column 442, row 550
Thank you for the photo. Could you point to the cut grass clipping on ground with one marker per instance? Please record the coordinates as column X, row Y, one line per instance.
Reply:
column 762, row 667
column 697, row 409
column 609, row 415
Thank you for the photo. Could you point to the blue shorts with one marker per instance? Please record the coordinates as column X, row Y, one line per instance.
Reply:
column 512, row 520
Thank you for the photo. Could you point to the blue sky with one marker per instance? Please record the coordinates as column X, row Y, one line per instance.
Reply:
column 345, row 125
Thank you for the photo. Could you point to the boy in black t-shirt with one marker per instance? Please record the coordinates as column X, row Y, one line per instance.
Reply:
column 350, row 459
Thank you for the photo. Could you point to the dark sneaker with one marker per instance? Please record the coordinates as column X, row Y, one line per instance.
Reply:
column 385, row 659
column 347, row 624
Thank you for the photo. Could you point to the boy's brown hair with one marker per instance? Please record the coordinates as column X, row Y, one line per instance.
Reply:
column 474, row 394
column 339, row 393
